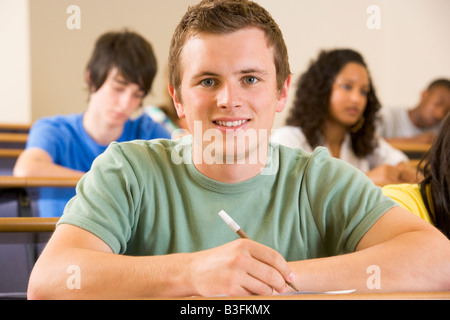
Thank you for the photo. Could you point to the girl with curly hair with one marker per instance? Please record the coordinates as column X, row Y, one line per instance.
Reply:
column 336, row 106
column 430, row 199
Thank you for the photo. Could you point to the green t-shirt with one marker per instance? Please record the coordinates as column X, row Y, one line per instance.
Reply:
column 147, row 198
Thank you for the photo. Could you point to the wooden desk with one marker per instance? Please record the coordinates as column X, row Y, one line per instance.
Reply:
column 10, row 153
column 13, row 137
column 28, row 182
column 412, row 150
column 17, row 186
column 415, row 164
column 411, row 147
column 350, row 296
column 30, row 224
column 9, row 127
column 30, row 231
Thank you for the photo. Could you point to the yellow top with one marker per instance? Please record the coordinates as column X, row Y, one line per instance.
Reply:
column 408, row 197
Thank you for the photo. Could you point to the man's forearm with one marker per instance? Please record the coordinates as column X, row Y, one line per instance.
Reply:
column 86, row 274
column 37, row 163
column 405, row 263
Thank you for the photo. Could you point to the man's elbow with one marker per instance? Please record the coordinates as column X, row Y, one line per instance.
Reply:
column 36, row 289
column 20, row 171
column 22, row 167
column 44, row 280
column 438, row 262
column 32, row 162
column 33, row 293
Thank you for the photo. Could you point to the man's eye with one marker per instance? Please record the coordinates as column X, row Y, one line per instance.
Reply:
column 119, row 88
column 208, row 82
column 250, row 80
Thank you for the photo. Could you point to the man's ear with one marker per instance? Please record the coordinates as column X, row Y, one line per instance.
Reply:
column 176, row 102
column 283, row 95
column 87, row 76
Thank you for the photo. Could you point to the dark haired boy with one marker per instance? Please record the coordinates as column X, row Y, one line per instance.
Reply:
column 119, row 74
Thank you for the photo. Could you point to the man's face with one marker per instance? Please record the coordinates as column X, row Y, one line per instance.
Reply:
column 117, row 99
column 434, row 106
column 229, row 87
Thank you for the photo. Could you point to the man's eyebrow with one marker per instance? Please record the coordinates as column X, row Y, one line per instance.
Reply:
column 244, row 71
column 205, row 74
column 253, row 70
column 121, row 80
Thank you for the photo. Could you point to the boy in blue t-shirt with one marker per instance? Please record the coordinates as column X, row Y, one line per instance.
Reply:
column 119, row 74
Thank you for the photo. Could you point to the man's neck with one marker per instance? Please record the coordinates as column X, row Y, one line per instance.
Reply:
column 231, row 171
column 99, row 130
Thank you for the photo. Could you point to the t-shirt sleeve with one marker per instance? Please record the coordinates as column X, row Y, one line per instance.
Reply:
column 345, row 203
column 106, row 199
column 46, row 135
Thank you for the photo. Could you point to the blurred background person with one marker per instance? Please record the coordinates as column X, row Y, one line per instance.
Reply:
column 421, row 123
column 336, row 106
column 119, row 74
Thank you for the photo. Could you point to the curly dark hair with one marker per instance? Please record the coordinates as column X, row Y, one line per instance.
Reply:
column 312, row 100
column 436, row 172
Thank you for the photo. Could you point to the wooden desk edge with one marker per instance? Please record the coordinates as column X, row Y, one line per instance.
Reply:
column 411, row 147
column 15, row 126
column 27, row 182
column 351, row 296
column 33, row 224
column 13, row 137
column 10, row 153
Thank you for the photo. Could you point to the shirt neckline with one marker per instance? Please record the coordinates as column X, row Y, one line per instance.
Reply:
column 233, row 188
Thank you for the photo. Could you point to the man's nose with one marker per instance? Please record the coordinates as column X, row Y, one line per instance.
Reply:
column 127, row 100
column 229, row 96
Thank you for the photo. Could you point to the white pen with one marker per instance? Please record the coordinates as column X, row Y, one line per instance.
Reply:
column 236, row 228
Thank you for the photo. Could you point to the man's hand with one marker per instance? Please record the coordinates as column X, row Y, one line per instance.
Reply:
column 238, row 268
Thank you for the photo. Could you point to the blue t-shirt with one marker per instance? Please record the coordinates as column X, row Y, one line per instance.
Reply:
column 68, row 143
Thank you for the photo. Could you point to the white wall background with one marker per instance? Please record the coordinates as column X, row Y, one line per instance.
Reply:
column 15, row 77
column 42, row 61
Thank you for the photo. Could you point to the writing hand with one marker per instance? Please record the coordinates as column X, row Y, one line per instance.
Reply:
column 241, row 267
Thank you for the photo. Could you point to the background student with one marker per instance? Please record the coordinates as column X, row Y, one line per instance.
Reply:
column 336, row 106
column 421, row 123
column 119, row 75
column 143, row 224
column 430, row 199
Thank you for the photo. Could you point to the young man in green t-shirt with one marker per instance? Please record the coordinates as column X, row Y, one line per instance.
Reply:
column 144, row 222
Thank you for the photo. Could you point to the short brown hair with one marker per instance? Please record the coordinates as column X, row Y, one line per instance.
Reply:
column 129, row 52
column 226, row 16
